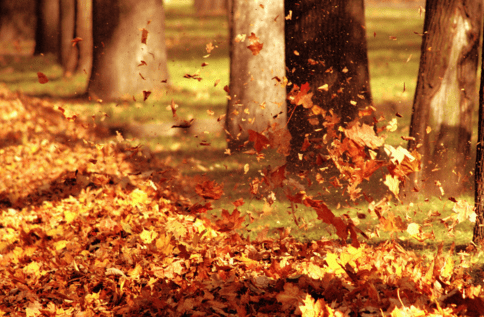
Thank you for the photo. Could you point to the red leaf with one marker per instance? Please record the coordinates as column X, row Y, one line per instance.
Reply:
column 42, row 78
column 278, row 176
column 260, row 141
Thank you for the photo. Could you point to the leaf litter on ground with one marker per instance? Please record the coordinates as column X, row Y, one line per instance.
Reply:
column 95, row 226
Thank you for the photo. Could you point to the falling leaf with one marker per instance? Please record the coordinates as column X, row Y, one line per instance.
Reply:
column 364, row 135
column 260, row 141
column 393, row 184
column 428, row 129
column 324, row 87
column 392, row 125
column 209, row 190
column 75, row 41
column 144, row 35
column 255, row 46
column 209, row 47
column 246, row 168
column 146, row 94
column 42, row 78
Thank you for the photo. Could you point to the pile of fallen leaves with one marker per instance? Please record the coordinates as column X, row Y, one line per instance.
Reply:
column 91, row 226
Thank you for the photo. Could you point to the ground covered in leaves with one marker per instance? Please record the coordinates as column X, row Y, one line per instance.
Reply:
column 91, row 226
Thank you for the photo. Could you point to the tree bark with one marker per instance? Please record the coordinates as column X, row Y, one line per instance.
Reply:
column 68, row 53
column 123, row 66
column 210, row 7
column 257, row 96
column 325, row 45
column 47, row 31
column 84, row 31
column 446, row 94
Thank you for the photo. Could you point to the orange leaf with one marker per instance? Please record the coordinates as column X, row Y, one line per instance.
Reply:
column 209, row 190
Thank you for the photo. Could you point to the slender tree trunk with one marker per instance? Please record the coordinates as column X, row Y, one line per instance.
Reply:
column 68, row 52
column 123, row 66
column 325, row 47
column 47, row 31
column 446, row 94
column 478, row 237
column 84, row 31
column 257, row 96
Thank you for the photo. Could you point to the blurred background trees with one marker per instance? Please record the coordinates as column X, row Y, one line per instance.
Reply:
column 129, row 54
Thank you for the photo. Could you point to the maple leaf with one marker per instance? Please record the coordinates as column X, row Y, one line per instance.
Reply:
column 254, row 46
column 42, row 78
column 229, row 221
column 209, row 190
column 260, row 141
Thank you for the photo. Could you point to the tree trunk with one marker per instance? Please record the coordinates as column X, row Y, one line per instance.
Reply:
column 123, row 66
column 446, row 94
column 257, row 98
column 478, row 237
column 17, row 20
column 84, row 31
column 68, row 53
column 210, row 7
column 47, row 31
column 325, row 45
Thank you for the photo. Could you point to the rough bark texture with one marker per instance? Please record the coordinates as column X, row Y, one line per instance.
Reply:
column 84, row 31
column 325, row 44
column 257, row 97
column 17, row 20
column 478, row 237
column 68, row 53
column 211, row 7
column 47, row 31
column 118, row 69
column 446, row 94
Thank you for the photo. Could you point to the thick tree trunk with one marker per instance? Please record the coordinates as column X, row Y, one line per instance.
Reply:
column 123, row 66
column 446, row 94
column 478, row 237
column 84, row 31
column 47, row 31
column 68, row 53
column 210, row 7
column 325, row 45
column 17, row 20
column 257, row 98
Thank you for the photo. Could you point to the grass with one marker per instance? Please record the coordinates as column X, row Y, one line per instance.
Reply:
column 393, row 66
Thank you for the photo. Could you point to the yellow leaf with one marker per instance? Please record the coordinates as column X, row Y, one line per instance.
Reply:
column 148, row 236
column 70, row 216
column 32, row 268
column 136, row 272
column 413, row 229
column 333, row 265
column 60, row 244
column 393, row 184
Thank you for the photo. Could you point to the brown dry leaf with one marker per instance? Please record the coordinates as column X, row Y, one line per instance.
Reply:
column 144, row 35
column 209, row 190
column 255, row 46
column 364, row 135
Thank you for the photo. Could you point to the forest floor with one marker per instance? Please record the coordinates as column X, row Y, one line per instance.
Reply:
column 107, row 209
